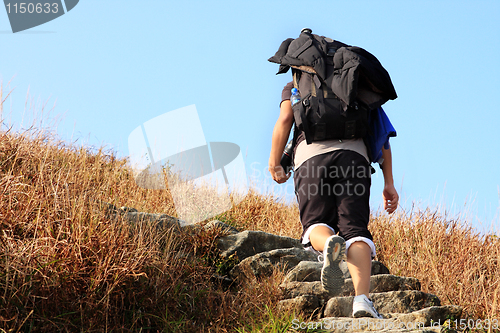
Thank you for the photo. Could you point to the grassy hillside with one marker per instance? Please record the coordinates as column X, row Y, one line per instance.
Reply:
column 65, row 265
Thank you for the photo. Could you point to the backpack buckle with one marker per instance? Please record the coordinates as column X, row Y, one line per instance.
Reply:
column 350, row 129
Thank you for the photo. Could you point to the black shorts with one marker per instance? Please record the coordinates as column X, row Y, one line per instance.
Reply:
column 334, row 188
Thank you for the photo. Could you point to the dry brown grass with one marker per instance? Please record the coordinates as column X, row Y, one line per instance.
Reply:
column 450, row 258
column 67, row 266
column 266, row 213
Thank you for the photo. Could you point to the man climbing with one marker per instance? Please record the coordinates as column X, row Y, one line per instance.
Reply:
column 332, row 180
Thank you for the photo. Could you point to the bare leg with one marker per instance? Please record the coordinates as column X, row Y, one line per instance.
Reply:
column 318, row 237
column 332, row 277
column 359, row 262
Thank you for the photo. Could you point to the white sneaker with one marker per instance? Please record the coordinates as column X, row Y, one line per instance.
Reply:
column 332, row 277
column 363, row 307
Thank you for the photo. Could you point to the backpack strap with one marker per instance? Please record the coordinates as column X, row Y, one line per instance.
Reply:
column 350, row 126
column 296, row 78
column 320, row 90
column 299, row 112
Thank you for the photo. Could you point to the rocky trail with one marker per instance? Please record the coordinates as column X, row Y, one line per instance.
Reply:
column 398, row 299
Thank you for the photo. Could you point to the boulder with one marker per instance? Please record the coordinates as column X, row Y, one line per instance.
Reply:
column 292, row 290
column 263, row 264
column 377, row 269
column 308, row 271
column 433, row 315
column 378, row 284
column 384, row 283
column 162, row 221
column 405, row 301
column 350, row 325
column 426, row 320
column 387, row 282
column 306, row 304
column 305, row 271
column 248, row 243
column 138, row 219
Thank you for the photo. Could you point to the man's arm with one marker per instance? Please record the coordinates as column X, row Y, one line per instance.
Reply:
column 281, row 133
column 389, row 194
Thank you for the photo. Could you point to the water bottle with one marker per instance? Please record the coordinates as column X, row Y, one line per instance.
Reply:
column 286, row 159
column 295, row 96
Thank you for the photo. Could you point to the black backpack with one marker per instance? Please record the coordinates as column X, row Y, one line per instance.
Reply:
column 338, row 86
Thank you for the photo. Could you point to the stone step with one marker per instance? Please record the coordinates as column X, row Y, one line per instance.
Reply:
column 309, row 305
column 430, row 319
column 263, row 264
column 315, row 299
column 292, row 290
column 309, row 271
column 429, row 315
column 404, row 301
column 248, row 243
column 378, row 284
column 344, row 325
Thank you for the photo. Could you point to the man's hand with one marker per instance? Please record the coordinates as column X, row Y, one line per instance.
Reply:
column 278, row 174
column 281, row 133
column 391, row 198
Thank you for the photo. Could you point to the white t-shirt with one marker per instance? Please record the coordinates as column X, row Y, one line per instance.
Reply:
column 306, row 151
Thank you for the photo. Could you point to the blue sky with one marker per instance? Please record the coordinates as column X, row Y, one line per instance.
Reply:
column 109, row 66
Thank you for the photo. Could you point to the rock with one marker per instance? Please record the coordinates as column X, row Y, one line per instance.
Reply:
column 430, row 315
column 305, row 271
column 378, row 284
column 377, row 269
column 136, row 218
column 387, row 282
column 248, row 243
column 384, row 283
column 292, row 290
column 349, row 325
column 311, row 271
column 306, row 304
column 162, row 221
column 215, row 224
column 263, row 264
column 427, row 320
column 405, row 301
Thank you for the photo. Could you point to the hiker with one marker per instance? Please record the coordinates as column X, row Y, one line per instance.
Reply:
column 332, row 181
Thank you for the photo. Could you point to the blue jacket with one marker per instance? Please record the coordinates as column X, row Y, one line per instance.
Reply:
column 381, row 130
